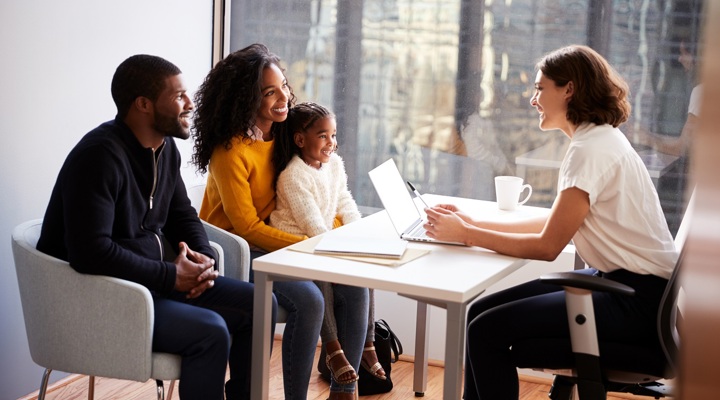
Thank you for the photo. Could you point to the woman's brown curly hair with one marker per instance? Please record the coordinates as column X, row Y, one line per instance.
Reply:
column 600, row 94
column 226, row 103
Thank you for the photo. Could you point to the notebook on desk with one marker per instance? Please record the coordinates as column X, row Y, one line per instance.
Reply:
column 308, row 246
column 361, row 246
column 402, row 210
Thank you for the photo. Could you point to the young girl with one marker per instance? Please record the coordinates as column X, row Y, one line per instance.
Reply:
column 311, row 187
column 606, row 204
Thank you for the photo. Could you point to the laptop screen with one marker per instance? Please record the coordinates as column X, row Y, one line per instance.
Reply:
column 394, row 195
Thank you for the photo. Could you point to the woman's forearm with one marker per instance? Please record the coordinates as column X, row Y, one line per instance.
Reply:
column 531, row 225
column 523, row 245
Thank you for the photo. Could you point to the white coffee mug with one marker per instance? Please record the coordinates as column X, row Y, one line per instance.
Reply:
column 508, row 190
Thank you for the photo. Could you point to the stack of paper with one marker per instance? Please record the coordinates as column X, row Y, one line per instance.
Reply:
column 361, row 246
column 408, row 254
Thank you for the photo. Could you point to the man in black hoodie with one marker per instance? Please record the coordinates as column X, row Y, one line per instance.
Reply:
column 120, row 208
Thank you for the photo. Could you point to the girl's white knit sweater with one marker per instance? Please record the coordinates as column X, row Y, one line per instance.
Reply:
column 309, row 199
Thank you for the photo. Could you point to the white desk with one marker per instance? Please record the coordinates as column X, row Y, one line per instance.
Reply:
column 449, row 277
column 551, row 155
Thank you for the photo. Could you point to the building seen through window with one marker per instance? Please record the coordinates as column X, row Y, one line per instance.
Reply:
column 443, row 86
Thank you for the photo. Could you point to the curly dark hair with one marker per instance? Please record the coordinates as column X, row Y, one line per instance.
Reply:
column 600, row 94
column 300, row 118
column 141, row 75
column 226, row 103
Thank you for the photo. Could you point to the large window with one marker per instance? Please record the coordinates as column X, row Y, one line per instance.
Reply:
column 443, row 86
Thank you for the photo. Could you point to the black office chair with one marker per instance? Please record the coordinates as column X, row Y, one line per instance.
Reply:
column 600, row 367
column 596, row 368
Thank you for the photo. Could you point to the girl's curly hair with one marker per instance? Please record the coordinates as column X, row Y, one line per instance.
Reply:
column 226, row 103
column 600, row 94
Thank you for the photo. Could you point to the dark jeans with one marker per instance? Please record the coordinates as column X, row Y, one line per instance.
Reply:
column 535, row 309
column 200, row 331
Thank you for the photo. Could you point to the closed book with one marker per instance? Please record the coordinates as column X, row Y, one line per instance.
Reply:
column 361, row 246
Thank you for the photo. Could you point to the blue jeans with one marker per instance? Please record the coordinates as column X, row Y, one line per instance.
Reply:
column 199, row 331
column 351, row 314
column 305, row 306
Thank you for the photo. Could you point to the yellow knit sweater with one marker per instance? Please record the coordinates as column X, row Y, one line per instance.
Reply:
column 240, row 197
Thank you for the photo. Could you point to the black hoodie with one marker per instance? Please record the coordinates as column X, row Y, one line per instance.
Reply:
column 113, row 203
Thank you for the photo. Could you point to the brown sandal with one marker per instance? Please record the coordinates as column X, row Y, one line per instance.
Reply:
column 336, row 374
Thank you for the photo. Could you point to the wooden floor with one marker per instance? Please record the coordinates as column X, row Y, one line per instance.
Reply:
column 76, row 387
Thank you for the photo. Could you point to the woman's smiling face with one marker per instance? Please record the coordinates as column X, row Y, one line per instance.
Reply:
column 551, row 102
column 275, row 97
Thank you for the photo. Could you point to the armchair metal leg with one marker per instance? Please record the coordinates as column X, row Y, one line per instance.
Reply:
column 160, row 389
column 91, row 387
column 170, row 389
column 44, row 383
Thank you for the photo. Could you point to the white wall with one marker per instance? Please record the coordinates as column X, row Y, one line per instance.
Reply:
column 58, row 58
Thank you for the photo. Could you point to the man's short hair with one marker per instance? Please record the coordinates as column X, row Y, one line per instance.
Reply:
column 140, row 75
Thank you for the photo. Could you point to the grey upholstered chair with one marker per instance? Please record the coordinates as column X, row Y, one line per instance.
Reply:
column 86, row 324
column 236, row 249
column 90, row 324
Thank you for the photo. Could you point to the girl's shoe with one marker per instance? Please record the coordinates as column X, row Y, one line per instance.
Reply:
column 372, row 369
column 344, row 370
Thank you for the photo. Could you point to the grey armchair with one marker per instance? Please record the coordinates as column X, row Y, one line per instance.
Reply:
column 86, row 324
column 236, row 252
column 236, row 249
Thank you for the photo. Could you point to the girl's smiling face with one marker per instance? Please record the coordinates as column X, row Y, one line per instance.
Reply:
column 317, row 142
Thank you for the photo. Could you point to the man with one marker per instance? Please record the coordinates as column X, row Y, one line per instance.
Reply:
column 118, row 208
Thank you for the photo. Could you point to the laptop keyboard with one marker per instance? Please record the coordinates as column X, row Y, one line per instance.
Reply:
column 419, row 232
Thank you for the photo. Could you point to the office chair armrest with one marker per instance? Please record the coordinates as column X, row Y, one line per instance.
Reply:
column 581, row 315
column 587, row 282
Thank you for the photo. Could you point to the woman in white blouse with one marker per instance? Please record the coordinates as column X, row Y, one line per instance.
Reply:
column 606, row 204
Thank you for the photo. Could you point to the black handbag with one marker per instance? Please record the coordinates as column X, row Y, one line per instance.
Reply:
column 387, row 347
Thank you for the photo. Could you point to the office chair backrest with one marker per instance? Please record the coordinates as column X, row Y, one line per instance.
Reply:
column 668, row 318
column 670, row 307
column 684, row 228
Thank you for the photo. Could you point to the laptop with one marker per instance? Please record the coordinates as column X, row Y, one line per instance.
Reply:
column 402, row 210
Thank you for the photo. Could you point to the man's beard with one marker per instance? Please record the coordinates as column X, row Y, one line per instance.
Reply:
column 171, row 126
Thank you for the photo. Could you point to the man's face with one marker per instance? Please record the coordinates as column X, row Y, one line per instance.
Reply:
column 173, row 108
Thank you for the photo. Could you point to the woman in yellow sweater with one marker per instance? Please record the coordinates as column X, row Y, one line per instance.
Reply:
column 239, row 108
